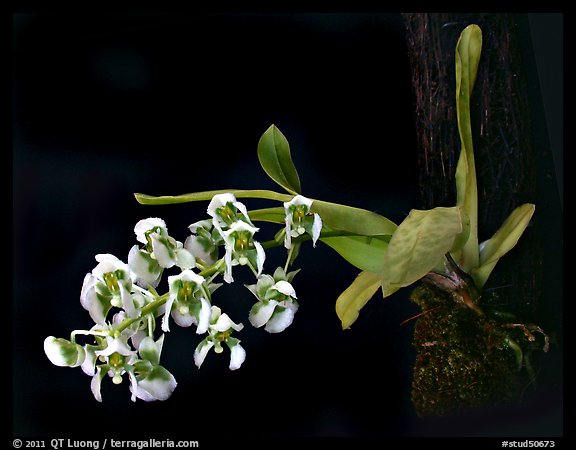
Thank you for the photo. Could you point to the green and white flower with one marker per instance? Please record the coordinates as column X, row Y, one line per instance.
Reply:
column 146, row 268
column 103, row 333
column 188, row 302
column 219, row 331
column 276, row 304
column 226, row 210
column 241, row 248
column 153, row 382
column 108, row 285
column 63, row 353
column 204, row 241
column 148, row 379
column 160, row 251
column 300, row 220
column 117, row 358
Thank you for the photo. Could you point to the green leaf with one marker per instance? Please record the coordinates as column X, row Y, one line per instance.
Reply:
column 418, row 246
column 353, row 220
column 364, row 252
column 462, row 237
column 274, row 156
column 468, row 52
column 274, row 215
column 502, row 242
column 207, row 195
column 353, row 299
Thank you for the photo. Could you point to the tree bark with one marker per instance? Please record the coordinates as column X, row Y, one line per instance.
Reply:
column 506, row 171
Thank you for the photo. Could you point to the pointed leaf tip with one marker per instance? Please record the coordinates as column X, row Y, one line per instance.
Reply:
column 353, row 299
column 276, row 160
column 504, row 240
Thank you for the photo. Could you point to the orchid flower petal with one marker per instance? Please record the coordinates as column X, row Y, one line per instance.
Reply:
column 162, row 252
column 201, row 351
column 260, row 258
column 237, row 353
column 116, row 345
column 145, row 225
column 148, row 271
column 96, row 383
column 204, row 317
column 316, row 229
column 261, row 313
column 284, row 288
column 185, row 259
column 157, row 385
column 194, row 245
column 165, row 319
column 224, row 323
column 281, row 319
column 242, row 208
column 218, row 201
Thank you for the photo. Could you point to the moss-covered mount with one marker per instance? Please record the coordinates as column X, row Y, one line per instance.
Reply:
column 466, row 359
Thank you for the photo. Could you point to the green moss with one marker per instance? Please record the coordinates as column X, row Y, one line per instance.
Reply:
column 462, row 359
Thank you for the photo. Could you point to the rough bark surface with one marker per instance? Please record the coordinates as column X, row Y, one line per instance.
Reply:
column 447, row 377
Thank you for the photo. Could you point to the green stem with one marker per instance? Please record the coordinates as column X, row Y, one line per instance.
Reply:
column 290, row 252
column 150, row 326
column 155, row 304
column 214, row 268
column 253, row 269
column 148, row 309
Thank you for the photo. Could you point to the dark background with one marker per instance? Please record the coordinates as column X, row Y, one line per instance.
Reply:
column 106, row 105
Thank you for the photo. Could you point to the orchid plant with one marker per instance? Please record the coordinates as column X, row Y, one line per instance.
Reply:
column 439, row 245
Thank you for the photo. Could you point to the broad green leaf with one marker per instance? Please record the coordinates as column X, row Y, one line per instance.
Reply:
column 462, row 237
column 502, row 242
column 418, row 246
column 364, row 252
column 468, row 52
column 353, row 220
column 274, row 215
column 274, row 156
column 207, row 195
column 353, row 299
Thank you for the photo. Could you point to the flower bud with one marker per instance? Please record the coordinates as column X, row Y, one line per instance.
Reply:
column 63, row 353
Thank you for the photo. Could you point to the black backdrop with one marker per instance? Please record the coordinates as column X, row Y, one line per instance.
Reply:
column 109, row 105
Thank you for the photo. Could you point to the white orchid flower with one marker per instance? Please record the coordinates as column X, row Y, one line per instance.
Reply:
column 148, row 379
column 300, row 220
column 276, row 304
column 108, row 285
column 224, row 210
column 160, row 251
column 241, row 248
column 219, row 330
column 203, row 243
column 118, row 358
column 187, row 303
column 153, row 382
